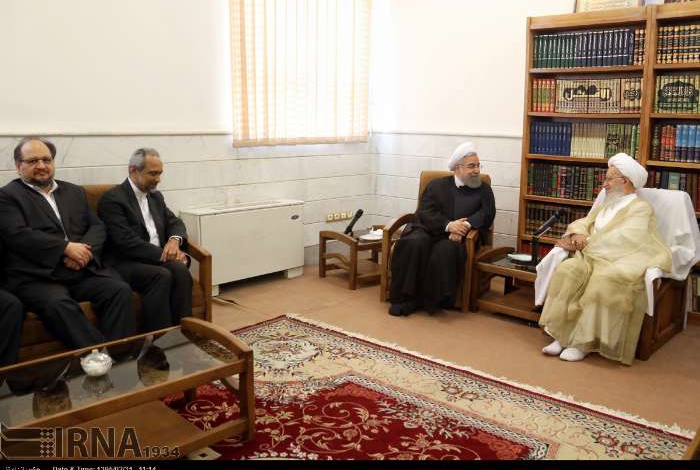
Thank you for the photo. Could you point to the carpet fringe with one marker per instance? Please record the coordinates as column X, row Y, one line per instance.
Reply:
column 671, row 429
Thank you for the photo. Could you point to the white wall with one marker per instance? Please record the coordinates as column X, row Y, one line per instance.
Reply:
column 444, row 72
column 104, row 77
column 114, row 66
column 451, row 66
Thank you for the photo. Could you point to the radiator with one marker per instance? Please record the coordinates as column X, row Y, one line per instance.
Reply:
column 249, row 239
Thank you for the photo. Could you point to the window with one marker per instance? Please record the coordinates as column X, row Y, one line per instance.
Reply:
column 300, row 71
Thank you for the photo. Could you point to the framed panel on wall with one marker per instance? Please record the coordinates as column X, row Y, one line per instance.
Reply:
column 597, row 5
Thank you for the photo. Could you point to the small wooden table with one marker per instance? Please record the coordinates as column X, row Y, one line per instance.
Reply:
column 518, row 296
column 54, row 396
column 348, row 263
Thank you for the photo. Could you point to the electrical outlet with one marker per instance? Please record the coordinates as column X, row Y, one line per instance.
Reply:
column 336, row 216
column 343, row 215
column 329, row 217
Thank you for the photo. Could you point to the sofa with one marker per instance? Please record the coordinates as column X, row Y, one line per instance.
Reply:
column 38, row 342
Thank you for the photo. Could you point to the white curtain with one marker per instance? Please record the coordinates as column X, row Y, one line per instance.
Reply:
column 300, row 70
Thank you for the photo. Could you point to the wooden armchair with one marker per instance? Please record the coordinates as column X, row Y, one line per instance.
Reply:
column 393, row 232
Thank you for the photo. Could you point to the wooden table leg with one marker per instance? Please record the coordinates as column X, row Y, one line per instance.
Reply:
column 353, row 266
column 322, row 256
column 190, row 395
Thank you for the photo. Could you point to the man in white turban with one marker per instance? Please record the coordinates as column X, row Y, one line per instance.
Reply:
column 428, row 260
column 596, row 298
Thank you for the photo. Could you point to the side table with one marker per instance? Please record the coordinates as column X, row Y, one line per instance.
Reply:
column 348, row 263
column 518, row 296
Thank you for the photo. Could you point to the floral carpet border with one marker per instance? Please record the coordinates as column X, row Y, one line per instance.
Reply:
column 505, row 383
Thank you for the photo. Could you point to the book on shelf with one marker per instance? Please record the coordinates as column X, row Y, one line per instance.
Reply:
column 677, row 93
column 674, row 142
column 587, row 95
column 680, row 180
column 564, row 181
column 537, row 213
column 678, row 44
column 589, row 48
column 526, row 247
column 584, row 139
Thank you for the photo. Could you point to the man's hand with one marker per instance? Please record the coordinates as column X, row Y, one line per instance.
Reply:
column 573, row 242
column 70, row 264
column 81, row 253
column 458, row 227
column 172, row 252
column 455, row 238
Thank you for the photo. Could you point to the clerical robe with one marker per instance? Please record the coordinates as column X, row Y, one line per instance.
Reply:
column 426, row 265
column 596, row 300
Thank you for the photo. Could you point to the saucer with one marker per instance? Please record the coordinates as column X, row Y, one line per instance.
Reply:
column 523, row 258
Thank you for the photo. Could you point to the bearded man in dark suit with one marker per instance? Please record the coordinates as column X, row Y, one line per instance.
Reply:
column 11, row 320
column 429, row 257
column 146, row 242
column 54, row 246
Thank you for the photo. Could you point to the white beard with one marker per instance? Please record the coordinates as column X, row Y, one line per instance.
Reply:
column 612, row 197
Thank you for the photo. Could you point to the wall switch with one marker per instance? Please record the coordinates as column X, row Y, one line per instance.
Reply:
column 336, row 216
column 329, row 217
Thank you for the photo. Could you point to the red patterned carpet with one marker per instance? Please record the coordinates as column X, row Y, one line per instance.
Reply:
column 325, row 394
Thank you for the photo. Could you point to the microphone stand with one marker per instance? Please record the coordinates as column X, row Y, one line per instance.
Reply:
column 536, row 246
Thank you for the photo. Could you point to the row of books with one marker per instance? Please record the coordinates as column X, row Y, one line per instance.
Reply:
column 591, row 48
column 694, row 292
column 584, row 139
column 676, row 142
column 683, row 181
column 678, row 44
column 564, row 181
column 677, row 93
column 526, row 247
column 596, row 95
column 537, row 213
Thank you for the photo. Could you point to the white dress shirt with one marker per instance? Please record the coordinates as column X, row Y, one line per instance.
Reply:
column 142, row 199
column 607, row 213
column 51, row 199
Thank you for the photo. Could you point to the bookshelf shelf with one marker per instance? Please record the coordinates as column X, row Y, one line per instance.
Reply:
column 548, row 240
column 634, row 116
column 674, row 116
column 569, row 159
column 557, row 200
column 684, row 165
column 619, row 17
column 686, row 66
column 586, row 70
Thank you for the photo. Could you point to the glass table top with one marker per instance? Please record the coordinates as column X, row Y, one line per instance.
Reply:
column 506, row 262
column 56, row 385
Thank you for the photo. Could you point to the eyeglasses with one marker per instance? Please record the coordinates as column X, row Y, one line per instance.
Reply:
column 35, row 161
column 471, row 166
column 610, row 178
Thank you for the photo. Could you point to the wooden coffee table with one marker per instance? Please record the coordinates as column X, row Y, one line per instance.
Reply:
column 517, row 298
column 54, row 394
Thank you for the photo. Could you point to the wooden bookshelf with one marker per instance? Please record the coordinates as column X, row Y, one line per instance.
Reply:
column 584, row 70
column 650, row 19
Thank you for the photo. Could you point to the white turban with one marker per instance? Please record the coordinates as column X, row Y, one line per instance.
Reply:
column 630, row 168
column 464, row 150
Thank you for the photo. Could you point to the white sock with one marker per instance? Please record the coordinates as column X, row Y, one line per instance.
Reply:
column 553, row 349
column 572, row 354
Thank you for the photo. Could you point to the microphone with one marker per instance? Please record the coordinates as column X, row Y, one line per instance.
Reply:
column 358, row 214
column 548, row 223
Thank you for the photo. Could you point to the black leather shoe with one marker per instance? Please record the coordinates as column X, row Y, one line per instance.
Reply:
column 395, row 310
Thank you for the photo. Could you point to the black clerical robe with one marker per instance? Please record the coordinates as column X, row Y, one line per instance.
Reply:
column 426, row 265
